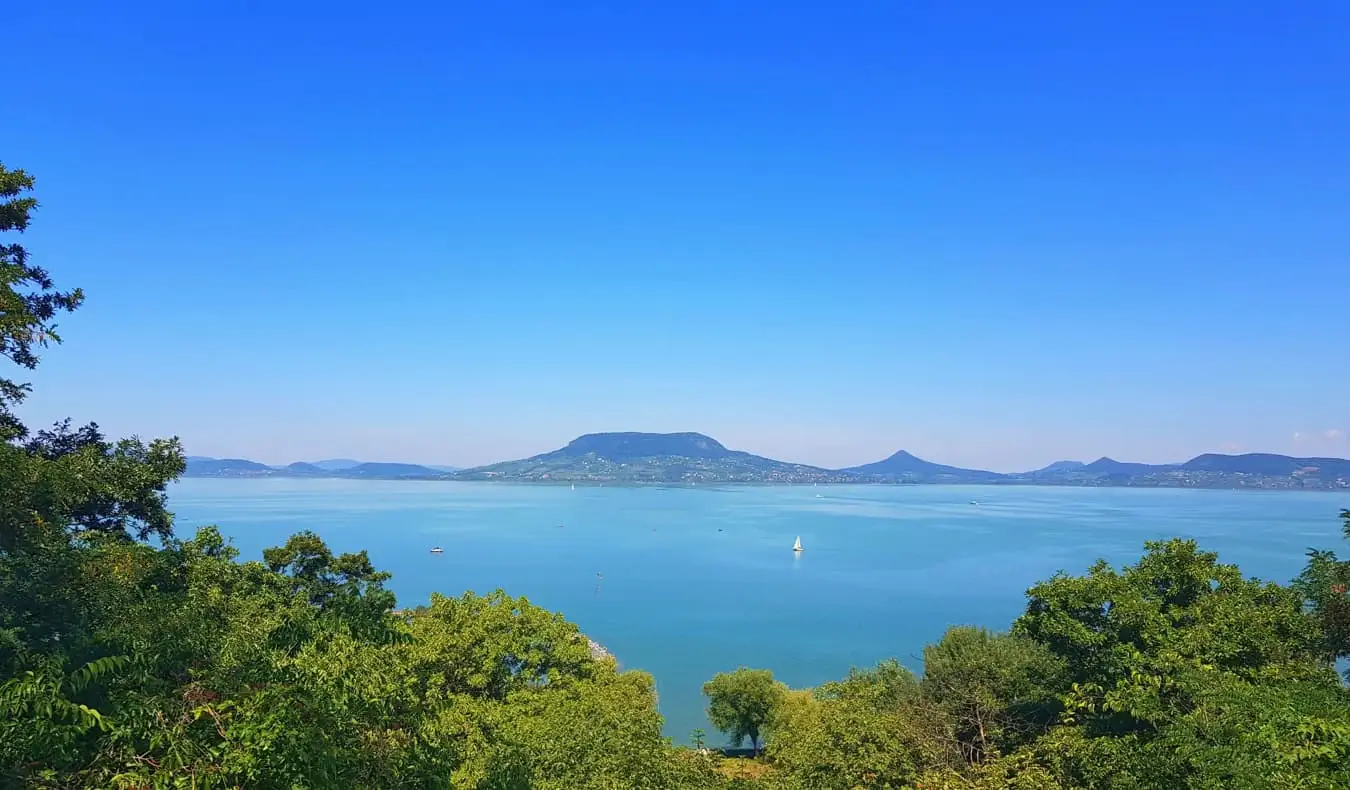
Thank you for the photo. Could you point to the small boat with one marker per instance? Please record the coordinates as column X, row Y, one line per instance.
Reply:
column 818, row 496
column 798, row 545
column 437, row 550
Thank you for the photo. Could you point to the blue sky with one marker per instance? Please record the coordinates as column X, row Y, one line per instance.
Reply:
column 457, row 233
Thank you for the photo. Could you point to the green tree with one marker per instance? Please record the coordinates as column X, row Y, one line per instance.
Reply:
column 63, row 479
column 873, row 729
column 741, row 703
column 1268, row 735
column 998, row 690
column 1178, row 608
column 29, row 300
column 1018, row 771
column 346, row 586
column 1325, row 585
column 1157, row 654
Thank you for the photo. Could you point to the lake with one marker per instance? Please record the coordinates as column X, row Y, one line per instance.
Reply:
column 702, row 580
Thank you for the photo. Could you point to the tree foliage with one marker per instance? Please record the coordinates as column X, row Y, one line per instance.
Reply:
column 872, row 729
column 1325, row 584
column 29, row 299
column 998, row 691
column 740, row 703
column 243, row 678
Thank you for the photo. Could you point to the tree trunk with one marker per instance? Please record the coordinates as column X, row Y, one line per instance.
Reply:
column 978, row 748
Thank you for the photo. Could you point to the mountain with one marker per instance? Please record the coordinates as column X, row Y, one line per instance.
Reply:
column 1059, row 467
column 1269, row 464
column 303, row 469
column 1211, row 470
column 629, row 446
column 200, row 466
column 389, row 471
column 906, row 468
column 1101, row 472
column 651, row 458
column 336, row 464
column 1109, row 466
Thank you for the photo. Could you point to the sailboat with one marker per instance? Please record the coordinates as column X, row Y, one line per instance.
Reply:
column 798, row 545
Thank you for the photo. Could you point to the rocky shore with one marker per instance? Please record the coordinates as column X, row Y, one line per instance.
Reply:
column 598, row 651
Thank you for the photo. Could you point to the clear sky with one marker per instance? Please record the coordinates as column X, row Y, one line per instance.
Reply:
column 992, row 234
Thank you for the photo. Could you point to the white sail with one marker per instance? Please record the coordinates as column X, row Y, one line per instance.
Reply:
column 798, row 545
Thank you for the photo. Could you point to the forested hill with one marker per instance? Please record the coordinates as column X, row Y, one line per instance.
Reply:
column 652, row 458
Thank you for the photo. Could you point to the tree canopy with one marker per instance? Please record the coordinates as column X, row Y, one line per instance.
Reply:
column 29, row 299
column 1325, row 584
column 741, row 702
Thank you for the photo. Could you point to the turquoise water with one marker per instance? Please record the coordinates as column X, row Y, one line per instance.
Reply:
column 701, row 580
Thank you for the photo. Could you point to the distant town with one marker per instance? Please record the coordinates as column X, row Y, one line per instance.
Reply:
column 696, row 459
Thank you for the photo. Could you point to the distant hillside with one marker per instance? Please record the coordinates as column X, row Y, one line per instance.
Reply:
column 389, row 471
column 305, row 470
column 1110, row 466
column 651, row 458
column 336, row 464
column 1211, row 470
column 628, row 446
column 906, row 468
column 200, row 466
column 1269, row 464
column 1057, row 468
